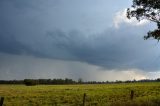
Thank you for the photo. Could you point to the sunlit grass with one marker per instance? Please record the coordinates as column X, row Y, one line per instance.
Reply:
column 145, row 94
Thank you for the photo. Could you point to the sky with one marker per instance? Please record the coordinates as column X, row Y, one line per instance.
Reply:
column 88, row 39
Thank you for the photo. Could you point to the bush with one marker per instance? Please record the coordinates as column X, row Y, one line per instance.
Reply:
column 30, row 82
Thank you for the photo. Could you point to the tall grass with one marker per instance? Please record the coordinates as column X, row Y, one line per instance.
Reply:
column 145, row 94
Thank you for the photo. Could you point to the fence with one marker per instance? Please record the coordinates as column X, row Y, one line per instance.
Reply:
column 1, row 101
column 84, row 98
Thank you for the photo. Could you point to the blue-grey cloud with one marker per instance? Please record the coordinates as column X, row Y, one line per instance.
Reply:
column 112, row 49
column 39, row 30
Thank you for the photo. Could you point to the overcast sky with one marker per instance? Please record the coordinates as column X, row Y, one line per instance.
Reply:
column 88, row 39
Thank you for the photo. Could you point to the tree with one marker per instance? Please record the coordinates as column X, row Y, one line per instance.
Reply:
column 146, row 9
column 158, row 79
column 30, row 82
column 80, row 80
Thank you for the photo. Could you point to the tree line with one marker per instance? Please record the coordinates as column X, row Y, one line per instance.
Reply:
column 39, row 81
column 59, row 81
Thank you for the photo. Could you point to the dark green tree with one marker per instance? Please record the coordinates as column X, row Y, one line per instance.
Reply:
column 80, row 80
column 30, row 82
column 146, row 9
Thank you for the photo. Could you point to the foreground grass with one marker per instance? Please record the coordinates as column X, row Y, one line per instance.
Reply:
column 146, row 94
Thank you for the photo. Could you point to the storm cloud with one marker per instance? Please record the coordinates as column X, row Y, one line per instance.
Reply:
column 67, row 31
column 112, row 49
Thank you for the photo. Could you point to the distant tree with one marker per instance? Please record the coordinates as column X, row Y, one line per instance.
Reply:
column 158, row 79
column 147, row 9
column 30, row 82
column 80, row 80
column 69, row 81
column 118, row 81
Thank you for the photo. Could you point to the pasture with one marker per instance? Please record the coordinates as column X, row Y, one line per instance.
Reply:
column 145, row 94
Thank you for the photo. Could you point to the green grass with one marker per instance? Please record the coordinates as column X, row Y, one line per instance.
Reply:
column 146, row 94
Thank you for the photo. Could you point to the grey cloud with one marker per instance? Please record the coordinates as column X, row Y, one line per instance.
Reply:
column 9, row 44
column 113, row 49
column 22, row 66
column 30, row 28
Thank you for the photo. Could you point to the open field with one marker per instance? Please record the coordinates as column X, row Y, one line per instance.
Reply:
column 145, row 94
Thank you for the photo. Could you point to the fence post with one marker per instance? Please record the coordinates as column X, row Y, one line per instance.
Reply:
column 132, row 94
column 84, row 99
column 1, row 101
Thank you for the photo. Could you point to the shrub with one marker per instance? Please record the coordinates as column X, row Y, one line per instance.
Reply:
column 30, row 82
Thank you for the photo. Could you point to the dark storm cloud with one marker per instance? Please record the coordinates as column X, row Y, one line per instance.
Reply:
column 113, row 49
column 30, row 28
column 9, row 44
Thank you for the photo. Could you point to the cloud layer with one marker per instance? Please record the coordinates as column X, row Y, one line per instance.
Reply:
column 92, row 33
column 112, row 49
column 22, row 66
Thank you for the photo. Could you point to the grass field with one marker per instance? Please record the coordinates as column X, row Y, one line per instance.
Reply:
column 145, row 94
